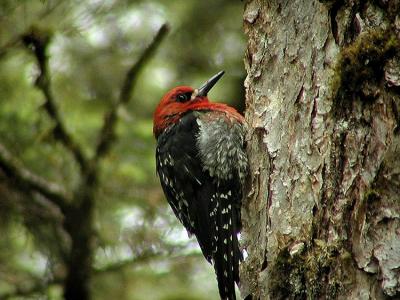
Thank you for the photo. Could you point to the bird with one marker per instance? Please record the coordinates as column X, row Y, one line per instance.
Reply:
column 202, row 166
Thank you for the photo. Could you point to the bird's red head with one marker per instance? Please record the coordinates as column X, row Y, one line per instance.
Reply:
column 183, row 99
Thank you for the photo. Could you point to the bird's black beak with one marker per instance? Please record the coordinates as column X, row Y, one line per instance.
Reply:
column 203, row 90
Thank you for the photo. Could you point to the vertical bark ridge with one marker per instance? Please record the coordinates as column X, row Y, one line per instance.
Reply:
column 322, row 102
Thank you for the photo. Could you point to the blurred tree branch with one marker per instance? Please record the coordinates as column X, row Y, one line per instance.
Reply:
column 79, row 214
column 174, row 252
column 13, row 42
column 28, row 181
column 40, row 286
column 38, row 40
column 95, row 56
column 79, row 220
column 107, row 134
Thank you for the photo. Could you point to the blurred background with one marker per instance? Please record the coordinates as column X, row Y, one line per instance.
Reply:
column 140, row 250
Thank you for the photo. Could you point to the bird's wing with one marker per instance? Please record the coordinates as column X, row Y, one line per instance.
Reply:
column 187, row 187
column 207, row 206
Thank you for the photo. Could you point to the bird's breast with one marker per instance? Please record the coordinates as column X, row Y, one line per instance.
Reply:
column 220, row 142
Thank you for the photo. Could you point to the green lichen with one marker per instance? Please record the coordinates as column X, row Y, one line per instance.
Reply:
column 280, row 287
column 371, row 196
column 392, row 9
column 303, row 276
column 361, row 63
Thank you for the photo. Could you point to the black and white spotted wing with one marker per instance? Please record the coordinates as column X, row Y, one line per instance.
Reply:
column 208, row 208
column 185, row 185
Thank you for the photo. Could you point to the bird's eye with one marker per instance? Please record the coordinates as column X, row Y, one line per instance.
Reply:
column 182, row 97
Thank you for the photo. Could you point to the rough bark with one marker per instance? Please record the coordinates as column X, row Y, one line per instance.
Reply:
column 322, row 218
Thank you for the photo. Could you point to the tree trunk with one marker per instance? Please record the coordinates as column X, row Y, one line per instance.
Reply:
column 322, row 218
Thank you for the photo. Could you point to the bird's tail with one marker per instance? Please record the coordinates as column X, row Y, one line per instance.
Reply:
column 226, row 252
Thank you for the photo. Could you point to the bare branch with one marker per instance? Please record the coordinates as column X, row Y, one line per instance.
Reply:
column 38, row 41
column 26, row 180
column 39, row 286
column 147, row 256
column 4, row 49
column 107, row 134
column 132, row 73
column 16, row 41
column 117, row 266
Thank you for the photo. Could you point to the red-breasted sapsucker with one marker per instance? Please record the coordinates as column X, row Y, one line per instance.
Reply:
column 202, row 167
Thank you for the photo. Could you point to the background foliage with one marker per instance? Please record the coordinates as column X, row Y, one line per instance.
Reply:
column 140, row 251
